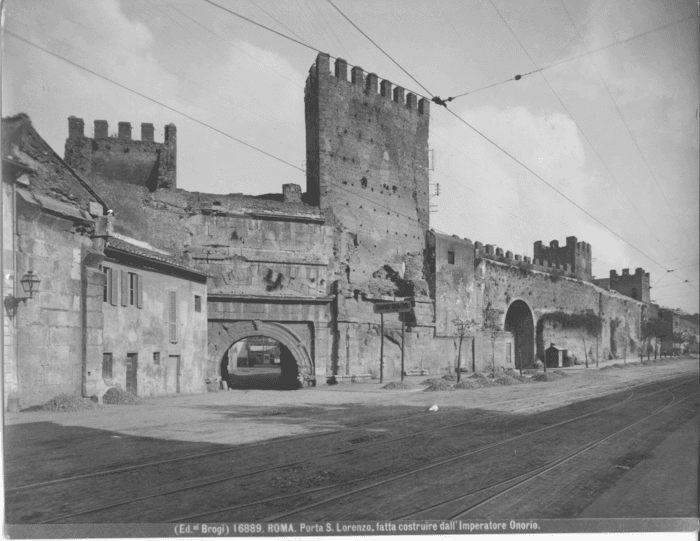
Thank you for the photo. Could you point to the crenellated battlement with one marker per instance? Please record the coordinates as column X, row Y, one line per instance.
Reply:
column 574, row 254
column 142, row 162
column 489, row 251
column 367, row 83
column 635, row 285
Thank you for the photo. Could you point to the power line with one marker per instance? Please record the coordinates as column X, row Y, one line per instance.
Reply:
column 574, row 121
column 511, row 156
column 262, row 26
column 634, row 139
column 277, row 21
column 677, row 284
column 193, row 119
column 197, row 121
column 582, row 55
column 378, row 47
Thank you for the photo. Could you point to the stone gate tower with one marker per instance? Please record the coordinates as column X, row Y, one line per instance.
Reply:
column 367, row 161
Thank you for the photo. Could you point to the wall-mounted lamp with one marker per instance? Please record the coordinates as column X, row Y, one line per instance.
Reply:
column 30, row 284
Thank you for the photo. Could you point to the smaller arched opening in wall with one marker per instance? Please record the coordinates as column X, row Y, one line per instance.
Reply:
column 260, row 362
column 259, row 355
column 520, row 322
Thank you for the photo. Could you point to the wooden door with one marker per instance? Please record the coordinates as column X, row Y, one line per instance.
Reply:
column 132, row 361
column 173, row 374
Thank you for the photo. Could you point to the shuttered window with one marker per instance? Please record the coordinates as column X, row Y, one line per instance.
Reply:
column 125, row 287
column 109, row 287
column 139, row 291
column 172, row 315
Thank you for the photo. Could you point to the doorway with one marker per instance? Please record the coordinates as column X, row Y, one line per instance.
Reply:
column 172, row 375
column 519, row 321
column 132, row 366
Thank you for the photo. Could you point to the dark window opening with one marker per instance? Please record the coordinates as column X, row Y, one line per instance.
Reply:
column 156, row 357
column 106, row 365
column 197, row 303
column 451, row 257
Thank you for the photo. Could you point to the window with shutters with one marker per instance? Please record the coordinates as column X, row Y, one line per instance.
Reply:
column 172, row 316
column 108, row 289
column 132, row 288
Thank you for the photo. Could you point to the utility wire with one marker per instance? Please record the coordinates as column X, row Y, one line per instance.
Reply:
column 629, row 131
column 561, row 102
column 377, row 46
column 262, row 26
column 278, row 21
column 587, row 53
column 515, row 159
column 193, row 119
column 676, row 284
column 197, row 121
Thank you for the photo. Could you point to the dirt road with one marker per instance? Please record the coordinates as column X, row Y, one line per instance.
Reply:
column 352, row 451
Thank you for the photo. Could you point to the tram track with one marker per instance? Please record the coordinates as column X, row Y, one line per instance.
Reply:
column 362, row 425
column 532, row 474
column 113, row 505
column 412, row 472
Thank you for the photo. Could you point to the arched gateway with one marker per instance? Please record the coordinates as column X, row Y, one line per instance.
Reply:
column 223, row 335
column 520, row 322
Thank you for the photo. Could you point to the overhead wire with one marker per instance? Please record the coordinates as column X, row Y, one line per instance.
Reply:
column 202, row 123
column 624, row 121
column 378, row 47
column 260, row 150
column 463, row 121
column 504, row 151
column 517, row 77
column 561, row 102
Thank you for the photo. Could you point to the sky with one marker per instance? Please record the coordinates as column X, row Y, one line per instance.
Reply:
column 609, row 124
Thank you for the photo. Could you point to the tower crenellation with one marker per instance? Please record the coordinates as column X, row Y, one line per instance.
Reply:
column 143, row 162
column 367, row 158
column 574, row 254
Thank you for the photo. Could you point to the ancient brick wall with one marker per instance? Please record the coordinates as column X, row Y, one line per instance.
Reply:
column 367, row 162
column 451, row 277
column 546, row 292
column 121, row 158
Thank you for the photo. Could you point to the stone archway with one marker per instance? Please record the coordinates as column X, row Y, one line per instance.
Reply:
column 520, row 322
column 223, row 335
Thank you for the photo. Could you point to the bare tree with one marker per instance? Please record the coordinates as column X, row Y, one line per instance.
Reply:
column 463, row 327
column 492, row 328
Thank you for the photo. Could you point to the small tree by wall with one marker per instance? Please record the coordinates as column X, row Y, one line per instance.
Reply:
column 492, row 329
column 464, row 327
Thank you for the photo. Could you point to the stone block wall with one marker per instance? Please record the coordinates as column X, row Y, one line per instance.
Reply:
column 145, row 331
column 50, row 339
column 9, row 280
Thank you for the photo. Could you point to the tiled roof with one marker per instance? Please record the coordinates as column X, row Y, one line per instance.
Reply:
column 124, row 246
